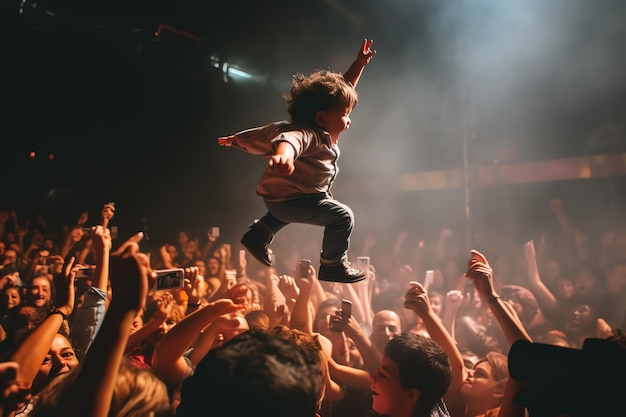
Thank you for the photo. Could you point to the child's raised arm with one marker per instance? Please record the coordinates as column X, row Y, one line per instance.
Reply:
column 362, row 59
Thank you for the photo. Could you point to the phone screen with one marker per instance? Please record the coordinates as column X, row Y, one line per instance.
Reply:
column 304, row 268
column 168, row 279
column 346, row 307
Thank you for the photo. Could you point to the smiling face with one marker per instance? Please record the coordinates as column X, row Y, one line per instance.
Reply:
column 61, row 359
column 13, row 297
column 388, row 396
column 40, row 291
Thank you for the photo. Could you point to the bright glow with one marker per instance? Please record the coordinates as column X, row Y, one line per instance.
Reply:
column 32, row 154
column 234, row 72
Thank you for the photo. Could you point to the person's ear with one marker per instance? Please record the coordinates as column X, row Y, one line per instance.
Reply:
column 413, row 394
column 320, row 118
column 498, row 391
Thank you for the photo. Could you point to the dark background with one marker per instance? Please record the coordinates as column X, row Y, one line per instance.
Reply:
column 132, row 117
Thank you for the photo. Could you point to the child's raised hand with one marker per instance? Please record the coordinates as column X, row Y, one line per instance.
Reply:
column 366, row 53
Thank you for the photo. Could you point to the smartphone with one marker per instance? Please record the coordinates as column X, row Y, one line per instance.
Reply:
column 169, row 279
column 84, row 273
column 363, row 263
column 303, row 271
column 231, row 277
column 215, row 231
column 428, row 279
column 346, row 307
column 242, row 256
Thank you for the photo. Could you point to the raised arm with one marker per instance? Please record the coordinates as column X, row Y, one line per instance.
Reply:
column 32, row 351
column 89, row 316
column 168, row 362
column 363, row 58
column 481, row 273
column 417, row 300
column 546, row 299
column 93, row 388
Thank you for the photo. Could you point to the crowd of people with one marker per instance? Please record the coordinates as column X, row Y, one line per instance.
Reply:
column 433, row 329
column 85, row 330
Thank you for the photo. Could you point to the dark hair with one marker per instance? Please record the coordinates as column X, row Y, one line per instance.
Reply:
column 423, row 365
column 321, row 91
column 254, row 373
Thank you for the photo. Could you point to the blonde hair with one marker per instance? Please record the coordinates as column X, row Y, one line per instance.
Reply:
column 137, row 393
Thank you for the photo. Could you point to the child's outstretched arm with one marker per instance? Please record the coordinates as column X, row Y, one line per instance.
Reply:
column 362, row 59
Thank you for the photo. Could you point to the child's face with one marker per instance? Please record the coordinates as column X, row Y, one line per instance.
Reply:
column 336, row 121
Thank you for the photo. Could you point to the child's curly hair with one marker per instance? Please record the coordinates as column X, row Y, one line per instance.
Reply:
column 323, row 90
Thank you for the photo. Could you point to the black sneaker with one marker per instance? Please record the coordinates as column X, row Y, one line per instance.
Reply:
column 257, row 244
column 341, row 272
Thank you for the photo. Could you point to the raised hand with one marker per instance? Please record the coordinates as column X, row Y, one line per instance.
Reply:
column 365, row 54
column 481, row 273
column 129, row 269
column 416, row 299
column 225, row 140
column 454, row 300
column 287, row 285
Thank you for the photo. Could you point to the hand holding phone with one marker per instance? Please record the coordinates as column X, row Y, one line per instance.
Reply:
column 428, row 279
column 169, row 279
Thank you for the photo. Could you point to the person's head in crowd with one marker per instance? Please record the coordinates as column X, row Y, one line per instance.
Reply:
column 137, row 392
column 258, row 319
column 581, row 320
column 550, row 268
column 61, row 359
column 414, row 374
column 49, row 244
column 312, row 349
column 564, row 287
column 255, row 373
column 175, row 314
column 245, row 294
column 354, row 354
column 386, row 325
column 437, row 300
column 11, row 296
column 484, row 387
column 325, row 309
column 588, row 281
column 10, row 259
column 40, row 291
column 524, row 303
column 212, row 267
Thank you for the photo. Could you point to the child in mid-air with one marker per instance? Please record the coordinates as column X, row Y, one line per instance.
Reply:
column 303, row 164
